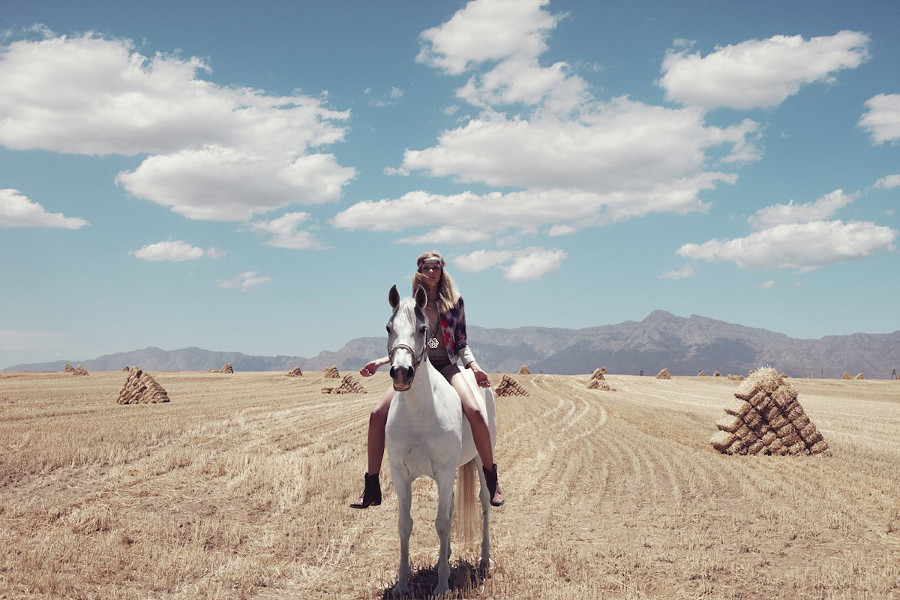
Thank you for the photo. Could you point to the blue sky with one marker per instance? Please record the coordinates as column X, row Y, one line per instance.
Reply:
column 254, row 177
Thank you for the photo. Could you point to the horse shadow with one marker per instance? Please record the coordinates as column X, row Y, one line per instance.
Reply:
column 465, row 580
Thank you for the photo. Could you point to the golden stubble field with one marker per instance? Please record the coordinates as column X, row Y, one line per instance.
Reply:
column 238, row 488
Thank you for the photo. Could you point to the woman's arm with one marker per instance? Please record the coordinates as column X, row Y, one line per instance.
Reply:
column 370, row 368
column 462, row 347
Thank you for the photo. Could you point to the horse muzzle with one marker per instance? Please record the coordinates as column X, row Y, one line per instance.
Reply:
column 402, row 377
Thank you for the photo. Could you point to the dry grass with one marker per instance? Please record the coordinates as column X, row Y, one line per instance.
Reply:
column 238, row 488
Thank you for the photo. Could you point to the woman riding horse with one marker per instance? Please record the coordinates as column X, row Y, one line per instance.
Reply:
column 447, row 343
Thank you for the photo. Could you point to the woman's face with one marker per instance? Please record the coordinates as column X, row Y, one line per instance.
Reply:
column 431, row 271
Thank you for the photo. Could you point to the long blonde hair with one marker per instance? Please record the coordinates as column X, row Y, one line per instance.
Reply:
column 447, row 292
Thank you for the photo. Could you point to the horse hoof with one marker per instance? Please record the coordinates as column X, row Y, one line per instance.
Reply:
column 441, row 590
column 484, row 567
column 397, row 591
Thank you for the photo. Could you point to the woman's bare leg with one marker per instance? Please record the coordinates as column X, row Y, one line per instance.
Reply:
column 375, row 438
column 480, row 432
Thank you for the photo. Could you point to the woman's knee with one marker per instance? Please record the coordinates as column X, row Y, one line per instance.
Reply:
column 380, row 412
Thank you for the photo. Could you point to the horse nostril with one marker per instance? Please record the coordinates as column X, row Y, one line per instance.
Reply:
column 392, row 372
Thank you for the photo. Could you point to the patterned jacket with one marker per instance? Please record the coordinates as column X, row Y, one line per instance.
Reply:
column 453, row 328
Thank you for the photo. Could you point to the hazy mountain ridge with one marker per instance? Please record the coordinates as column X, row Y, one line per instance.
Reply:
column 683, row 345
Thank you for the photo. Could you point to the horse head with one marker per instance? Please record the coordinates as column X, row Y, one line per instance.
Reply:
column 406, row 329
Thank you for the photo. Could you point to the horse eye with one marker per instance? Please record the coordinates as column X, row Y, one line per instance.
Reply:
column 422, row 329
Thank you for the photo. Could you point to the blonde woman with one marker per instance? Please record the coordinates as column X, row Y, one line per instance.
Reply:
column 447, row 319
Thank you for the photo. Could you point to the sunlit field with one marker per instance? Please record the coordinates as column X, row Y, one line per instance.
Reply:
column 238, row 488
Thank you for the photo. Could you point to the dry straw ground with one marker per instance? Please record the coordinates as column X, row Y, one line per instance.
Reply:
column 238, row 488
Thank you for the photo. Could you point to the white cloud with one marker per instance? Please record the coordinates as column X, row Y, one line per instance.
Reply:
column 685, row 271
column 446, row 236
column 888, row 183
column 94, row 95
column 800, row 246
column 517, row 265
column 16, row 210
column 245, row 281
column 759, row 73
column 175, row 251
column 286, row 232
column 819, row 210
column 767, row 285
column 882, row 119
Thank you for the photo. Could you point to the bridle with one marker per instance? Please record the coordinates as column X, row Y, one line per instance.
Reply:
column 417, row 360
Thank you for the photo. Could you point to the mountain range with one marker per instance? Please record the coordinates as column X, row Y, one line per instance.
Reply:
column 684, row 346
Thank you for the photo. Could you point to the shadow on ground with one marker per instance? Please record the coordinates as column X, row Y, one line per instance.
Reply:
column 465, row 580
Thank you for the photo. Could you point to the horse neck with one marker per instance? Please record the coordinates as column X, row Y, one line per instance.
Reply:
column 419, row 395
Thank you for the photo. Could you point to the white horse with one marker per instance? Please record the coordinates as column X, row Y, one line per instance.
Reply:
column 428, row 435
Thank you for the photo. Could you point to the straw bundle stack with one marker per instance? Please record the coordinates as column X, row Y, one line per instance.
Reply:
column 717, row 374
column 846, row 375
column 295, row 372
column 664, row 374
column 211, row 371
column 597, row 384
column 227, row 368
column 765, row 418
column 735, row 377
column 69, row 368
column 79, row 370
column 141, row 388
column 524, row 370
column 509, row 387
column 702, row 373
column 348, row 386
column 860, row 376
column 331, row 373
column 597, row 375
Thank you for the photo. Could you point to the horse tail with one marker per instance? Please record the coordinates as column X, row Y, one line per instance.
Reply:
column 465, row 502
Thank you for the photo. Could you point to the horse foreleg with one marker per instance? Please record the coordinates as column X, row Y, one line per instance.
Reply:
column 403, row 488
column 442, row 525
column 485, row 498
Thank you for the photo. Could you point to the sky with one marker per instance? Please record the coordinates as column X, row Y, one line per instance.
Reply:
column 254, row 177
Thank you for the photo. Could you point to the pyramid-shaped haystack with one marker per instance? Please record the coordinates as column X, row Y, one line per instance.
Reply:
column 348, row 386
column 509, row 387
column 597, row 375
column 331, row 373
column 141, row 388
column 735, row 377
column 79, row 370
column 295, row 372
column 599, row 384
column 227, row 368
column 846, row 375
column 664, row 374
column 524, row 370
column 701, row 374
column 765, row 418
column 860, row 376
column 69, row 368
column 717, row 374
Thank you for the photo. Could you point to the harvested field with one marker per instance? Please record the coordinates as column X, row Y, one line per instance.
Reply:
column 238, row 488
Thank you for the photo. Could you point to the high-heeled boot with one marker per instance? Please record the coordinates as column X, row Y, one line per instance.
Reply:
column 493, row 486
column 371, row 496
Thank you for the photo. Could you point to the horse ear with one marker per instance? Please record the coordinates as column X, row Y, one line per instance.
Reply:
column 421, row 297
column 394, row 297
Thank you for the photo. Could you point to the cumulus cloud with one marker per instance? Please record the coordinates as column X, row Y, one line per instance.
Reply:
column 685, row 271
column 17, row 210
column 759, row 73
column 818, row 210
column 94, row 95
column 882, row 118
column 800, row 246
column 446, row 236
column 888, row 183
column 176, row 251
column 245, row 281
column 286, row 233
column 517, row 265
column 767, row 284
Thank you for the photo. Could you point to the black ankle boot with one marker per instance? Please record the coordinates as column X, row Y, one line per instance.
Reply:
column 371, row 496
column 493, row 487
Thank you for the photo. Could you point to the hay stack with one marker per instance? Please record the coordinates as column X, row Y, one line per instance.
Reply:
column 664, row 374
column 846, row 375
column 717, row 374
column 597, row 384
column 69, row 368
column 524, row 370
column 295, row 372
column 141, row 388
column 765, row 418
column 860, row 376
column 348, row 386
column 331, row 373
column 79, row 370
column 227, row 368
column 509, row 387
column 597, row 375
column 211, row 371
column 126, row 369
column 735, row 377
column 702, row 373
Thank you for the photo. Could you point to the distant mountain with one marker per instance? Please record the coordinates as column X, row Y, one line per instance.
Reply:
column 685, row 346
